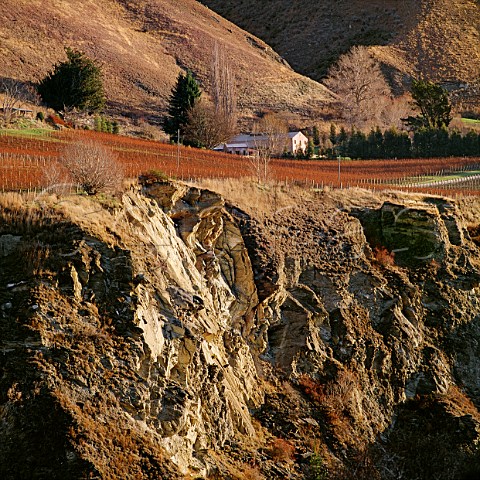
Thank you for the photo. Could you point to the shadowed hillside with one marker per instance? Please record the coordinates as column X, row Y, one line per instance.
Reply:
column 142, row 46
column 439, row 38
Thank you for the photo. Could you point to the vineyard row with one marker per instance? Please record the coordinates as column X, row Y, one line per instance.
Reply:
column 24, row 164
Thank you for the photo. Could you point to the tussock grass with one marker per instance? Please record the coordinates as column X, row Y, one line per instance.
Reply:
column 20, row 214
column 54, row 216
column 256, row 199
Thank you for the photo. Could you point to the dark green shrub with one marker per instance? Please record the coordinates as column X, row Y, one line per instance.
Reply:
column 318, row 469
column 73, row 84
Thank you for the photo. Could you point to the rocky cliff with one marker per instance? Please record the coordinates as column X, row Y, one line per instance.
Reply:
column 171, row 335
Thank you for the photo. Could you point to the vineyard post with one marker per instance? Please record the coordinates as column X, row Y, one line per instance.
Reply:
column 178, row 150
column 339, row 169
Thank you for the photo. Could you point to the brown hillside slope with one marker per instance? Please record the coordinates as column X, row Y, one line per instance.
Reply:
column 439, row 38
column 142, row 46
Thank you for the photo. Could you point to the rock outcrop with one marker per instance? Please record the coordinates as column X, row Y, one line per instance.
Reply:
column 174, row 336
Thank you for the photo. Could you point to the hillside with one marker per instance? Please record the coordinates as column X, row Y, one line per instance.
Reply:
column 439, row 38
column 142, row 46
column 167, row 334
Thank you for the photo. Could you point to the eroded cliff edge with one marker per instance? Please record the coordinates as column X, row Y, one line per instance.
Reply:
column 169, row 335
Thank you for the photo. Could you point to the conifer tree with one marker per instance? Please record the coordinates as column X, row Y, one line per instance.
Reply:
column 470, row 144
column 184, row 95
column 375, row 143
column 310, row 152
column 333, row 138
column 74, row 84
column 342, row 140
column 316, row 136
column 455, row 144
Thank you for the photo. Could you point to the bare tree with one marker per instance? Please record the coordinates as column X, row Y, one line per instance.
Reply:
column 207, row 126
column 361, row 88
column 223, row 90
column 15, row 95
column 270, row 138
column 212, row 123
column 92, row 166
column 56, row 178
column 394, row 110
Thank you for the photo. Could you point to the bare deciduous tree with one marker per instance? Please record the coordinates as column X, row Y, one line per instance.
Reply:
column 207, row 127
column 223, row 90
column 15, row 95
column 92, row 166
column 394, row 110
column 212, row 123
column 56, row 179
column 361, row 88
column 270, row 134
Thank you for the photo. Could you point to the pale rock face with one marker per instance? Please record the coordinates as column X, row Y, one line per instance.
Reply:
column 205, row 281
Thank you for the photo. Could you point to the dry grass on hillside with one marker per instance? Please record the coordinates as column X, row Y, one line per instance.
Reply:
column 439, row 38
column 264, row 201
column 143, row 46
column 256, row 199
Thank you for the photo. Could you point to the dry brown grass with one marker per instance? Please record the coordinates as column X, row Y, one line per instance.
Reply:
column 252, row 197
column 20, row 213
column 469, row 206
column 336, row 395
column 252, row 473
column 12, row 201
column 281, row 450
column 141, row 45
column 256, row 199
column 460, row 402
column 233, row 468
column 35, row 255
column 440, row 37
column 99, row 426
column 336, row 402
column 29, row 213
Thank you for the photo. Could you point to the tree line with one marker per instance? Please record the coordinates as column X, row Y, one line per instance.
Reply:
column 392, row 143
column 199, row 120
column 428, row 134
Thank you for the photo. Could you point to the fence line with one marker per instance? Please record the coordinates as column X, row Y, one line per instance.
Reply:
column 23, row 160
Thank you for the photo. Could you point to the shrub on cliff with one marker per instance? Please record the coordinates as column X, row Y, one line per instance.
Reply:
column 92, row 166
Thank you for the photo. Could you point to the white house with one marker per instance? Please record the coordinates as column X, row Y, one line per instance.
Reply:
column 297, row 141
column 247, row 144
